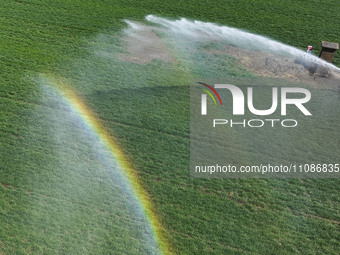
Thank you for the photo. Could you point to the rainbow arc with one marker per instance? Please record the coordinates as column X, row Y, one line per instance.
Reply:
column 112, row 145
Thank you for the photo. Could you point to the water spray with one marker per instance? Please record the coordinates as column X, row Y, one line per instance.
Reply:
column 198, row 31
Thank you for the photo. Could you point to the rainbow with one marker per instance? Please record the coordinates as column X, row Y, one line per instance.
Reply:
column 112, row 145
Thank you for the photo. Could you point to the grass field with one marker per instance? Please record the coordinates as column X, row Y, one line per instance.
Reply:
column 47, row 207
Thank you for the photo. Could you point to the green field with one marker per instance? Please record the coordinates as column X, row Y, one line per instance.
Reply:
column 52, row 201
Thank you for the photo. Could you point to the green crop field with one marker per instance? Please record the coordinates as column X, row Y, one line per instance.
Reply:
column 58, row 197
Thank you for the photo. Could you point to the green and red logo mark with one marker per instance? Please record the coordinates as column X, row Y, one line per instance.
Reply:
column 208, row 92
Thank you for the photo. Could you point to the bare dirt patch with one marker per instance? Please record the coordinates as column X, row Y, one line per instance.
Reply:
column 271, row 65
column 143, row 45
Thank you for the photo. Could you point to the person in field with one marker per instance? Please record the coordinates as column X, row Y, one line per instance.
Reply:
column 309, row 49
